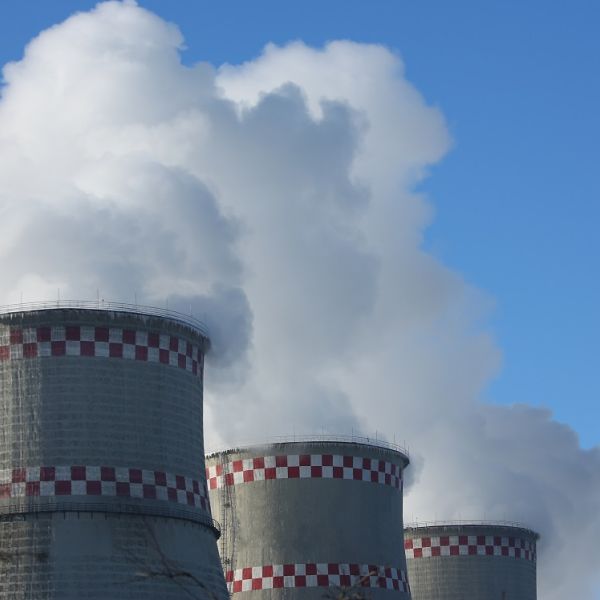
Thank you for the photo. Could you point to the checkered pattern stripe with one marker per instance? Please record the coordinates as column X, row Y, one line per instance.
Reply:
column 116, row 482
column 304, row 466
column 469, row 545
column 316, row 575
column 107, row 342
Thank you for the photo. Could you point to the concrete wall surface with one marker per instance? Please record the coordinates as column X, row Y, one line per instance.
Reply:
column 468, row 561
column 302, row 519
column 100, row 439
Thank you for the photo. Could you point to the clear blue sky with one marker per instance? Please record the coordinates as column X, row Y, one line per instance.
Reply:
column 517, row 199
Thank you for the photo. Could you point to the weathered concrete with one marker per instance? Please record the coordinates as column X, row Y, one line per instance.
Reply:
column 317, row 527
column 468, row 561
column 101, row 458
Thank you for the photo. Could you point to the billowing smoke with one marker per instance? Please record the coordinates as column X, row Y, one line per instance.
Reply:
column 276, row 200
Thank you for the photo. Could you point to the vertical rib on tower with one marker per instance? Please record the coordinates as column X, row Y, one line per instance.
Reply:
column 306, row 518
column 102, row 486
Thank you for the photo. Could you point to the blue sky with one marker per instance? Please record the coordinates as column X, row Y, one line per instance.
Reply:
column 516, row 199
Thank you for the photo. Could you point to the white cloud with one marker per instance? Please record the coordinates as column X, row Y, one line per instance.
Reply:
column 277, row 198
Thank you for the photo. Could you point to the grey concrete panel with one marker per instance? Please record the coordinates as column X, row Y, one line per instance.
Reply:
column 310, row 520
column 501, row 575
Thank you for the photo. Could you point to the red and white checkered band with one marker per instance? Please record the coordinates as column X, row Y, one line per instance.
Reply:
column 116, row 482
column 304, row 466
column 306, row 575
column 469, row 545
column 107, row 342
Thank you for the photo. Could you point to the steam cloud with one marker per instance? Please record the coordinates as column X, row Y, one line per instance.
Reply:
column 276, row 199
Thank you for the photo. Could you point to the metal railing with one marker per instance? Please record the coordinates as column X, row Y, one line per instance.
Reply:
column 105, row 305
column 323, row 438
column 466, row 523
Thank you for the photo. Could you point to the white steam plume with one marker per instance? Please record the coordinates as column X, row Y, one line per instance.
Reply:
column 276, row 198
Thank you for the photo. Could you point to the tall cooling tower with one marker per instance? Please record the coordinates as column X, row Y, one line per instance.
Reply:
column 471, row 561
column 302, row 519
column 102, row 486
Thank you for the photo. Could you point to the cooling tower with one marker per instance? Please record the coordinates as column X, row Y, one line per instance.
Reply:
column 102, row 486
column 303, row 519
column 471, row 561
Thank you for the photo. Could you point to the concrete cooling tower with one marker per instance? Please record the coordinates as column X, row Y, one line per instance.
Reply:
column 102, row 487
column 471, row 561
column 303, row 519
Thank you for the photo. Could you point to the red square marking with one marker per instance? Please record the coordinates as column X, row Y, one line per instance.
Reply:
column 58, row 348
column 454, row 550
column 293, row 472
column 247, row 573
column 257, row 584
column 123, row 489
column 101, row 334
column 115, row 350
column 327, row 460
column 444, row 540
column 277, row 582
column 47, row 473
column 281, row 461
column 19, row 475
column 141, row 353
column 88, row 348
column 180, row 482
column 267, row 571
column 237, row 466
column 16, row 336
column 163, row 356
column 62, row 488
column 72, row 333
column 248, row 476
column 107, row 474
column 258, row 462
column 323, row 580
column 270, row 473
column 43, row 334
column 128, row 336
column 32, row 488
column 93, row 488
column 30, row 350
column 174, row 344
column 311, row 569
column 78, row 473
column 4, row 352
column 305, row 460
column 338, row 472
column 135, row 476
column 316, row 471
column 289, row 570
column 300, row 581
column 435, row 551
column 153, row 340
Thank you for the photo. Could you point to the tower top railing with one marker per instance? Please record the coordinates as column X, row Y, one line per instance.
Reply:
column 104, row 305
column 468, row 523
column 319, row 438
